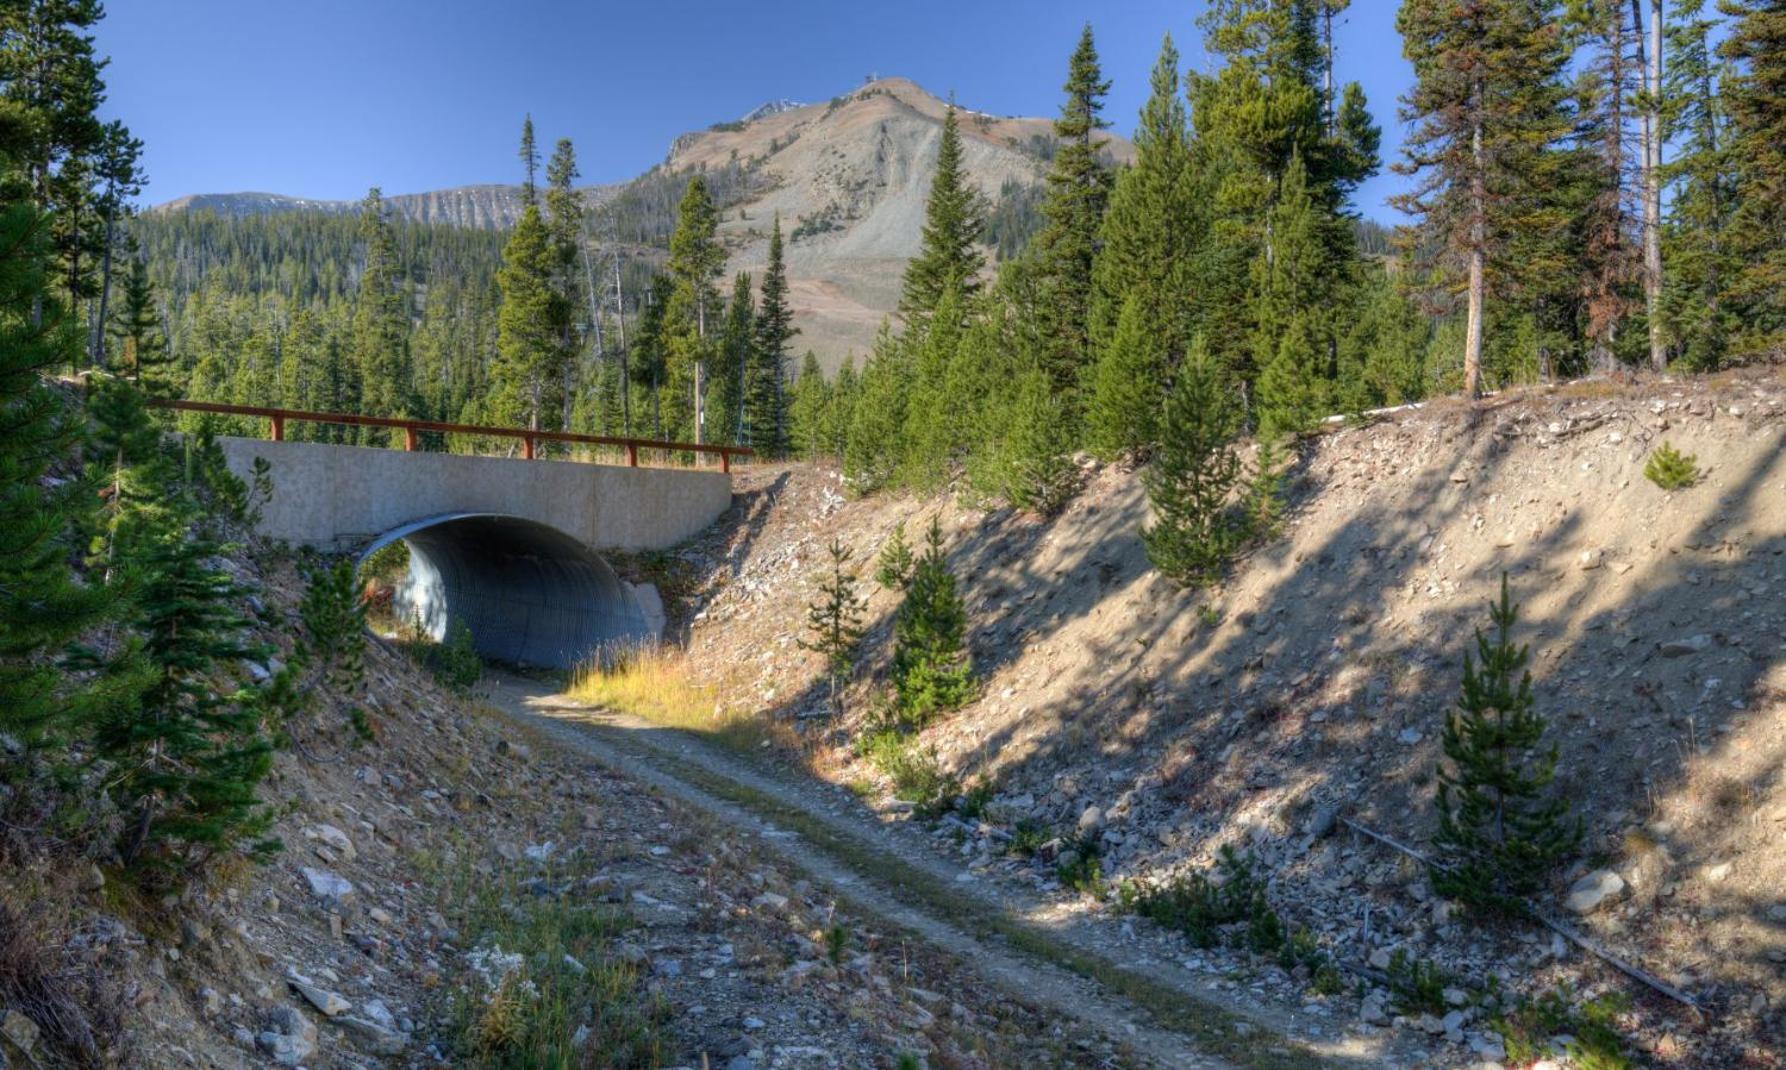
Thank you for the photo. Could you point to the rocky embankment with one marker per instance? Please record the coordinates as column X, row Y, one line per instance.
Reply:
column 1304, row 697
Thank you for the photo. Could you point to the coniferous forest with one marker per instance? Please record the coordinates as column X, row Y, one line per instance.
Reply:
column 1574, row 207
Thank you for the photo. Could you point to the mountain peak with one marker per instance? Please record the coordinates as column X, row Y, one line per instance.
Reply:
column 770, row 107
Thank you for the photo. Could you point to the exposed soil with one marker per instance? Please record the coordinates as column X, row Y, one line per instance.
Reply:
column 1313, row 683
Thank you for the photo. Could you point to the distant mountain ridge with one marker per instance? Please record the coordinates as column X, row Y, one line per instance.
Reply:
column 487, row 206
column 848, row 178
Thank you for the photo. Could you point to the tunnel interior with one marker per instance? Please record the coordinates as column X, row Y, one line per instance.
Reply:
column 529, row 594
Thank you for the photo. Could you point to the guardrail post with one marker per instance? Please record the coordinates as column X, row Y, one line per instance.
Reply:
column 527, row 446
column 278, row 430
column 632, row 455
column 409, row 440
column 725, row 461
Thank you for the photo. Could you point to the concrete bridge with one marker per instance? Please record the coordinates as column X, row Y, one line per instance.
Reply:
column 511, row 547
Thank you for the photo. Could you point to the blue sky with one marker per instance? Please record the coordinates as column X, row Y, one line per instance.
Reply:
column 326, row 98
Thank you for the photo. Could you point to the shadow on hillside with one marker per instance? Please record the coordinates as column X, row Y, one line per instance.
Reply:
column 1334, row 691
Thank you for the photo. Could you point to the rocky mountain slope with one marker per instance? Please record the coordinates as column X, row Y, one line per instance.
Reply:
column 1158, row 725
column 848, row 177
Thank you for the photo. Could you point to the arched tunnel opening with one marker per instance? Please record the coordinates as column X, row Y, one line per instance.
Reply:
column 529, row 594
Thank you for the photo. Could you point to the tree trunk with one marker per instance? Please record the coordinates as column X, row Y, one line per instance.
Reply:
column 96, row 342
column 1652, row 181
column 626, row 386
column 1478, row 239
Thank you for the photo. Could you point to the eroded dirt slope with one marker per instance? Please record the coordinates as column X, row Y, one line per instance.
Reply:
column 1314, row 682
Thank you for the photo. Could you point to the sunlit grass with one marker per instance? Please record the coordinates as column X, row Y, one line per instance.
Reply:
column 656, row 684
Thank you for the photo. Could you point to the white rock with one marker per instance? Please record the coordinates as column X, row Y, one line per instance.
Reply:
column 1590, row 559
column 327, row 885
column 330, row 1004
column 337, row 840
column 1692, row 644
column 1587, row 894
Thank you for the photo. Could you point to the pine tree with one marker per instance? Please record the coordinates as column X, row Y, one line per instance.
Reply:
column 954, row 222
column 1293, row 387
column 765, row 388
column 120, row 178
column 1755, row 94
column 1294, row 282
column 1194, row 471
column 929, row 449
column 564, row 220
column 1123, row 413
column 187, row 749
column 893, row 570
column 874, row 447
column 188, row 757
column 140, row 349
column 931, row 673
column 527, row 374
column 732, row 365
column 381, row 319
column 835, row 621
column 691, row 317
column 809, row 404
column 1695, row 307
column 1152, row 224
column 51, row 87
column 530, row 163
column 334, row 617
column 1038, row 473
column 1486, row 105
column 1501, row 832
column 835, row 426
column 1609, row 262
column 1078, row 190
column 42, row 608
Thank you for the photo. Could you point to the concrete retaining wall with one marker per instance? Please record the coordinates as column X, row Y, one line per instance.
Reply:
column 339, row 497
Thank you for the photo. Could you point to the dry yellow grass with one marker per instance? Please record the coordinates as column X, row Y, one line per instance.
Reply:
column 655, row 684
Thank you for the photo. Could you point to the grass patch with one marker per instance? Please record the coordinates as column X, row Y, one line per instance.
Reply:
column 653, row 683
column 1215, row 1029
column 542, row 985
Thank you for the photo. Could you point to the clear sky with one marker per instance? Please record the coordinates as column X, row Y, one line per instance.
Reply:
column 328, row 97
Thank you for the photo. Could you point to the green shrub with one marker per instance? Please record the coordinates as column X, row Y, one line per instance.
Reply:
column 1417, row 984
column 1198, row 906
column 916, row 772
column 930, row 667
column 1671, row 469
column 454, row 662
column 1080, row 868
column 1026, row 839
column 1597, row 1043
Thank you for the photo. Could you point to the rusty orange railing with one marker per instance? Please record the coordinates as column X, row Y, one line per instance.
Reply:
column 530, row 439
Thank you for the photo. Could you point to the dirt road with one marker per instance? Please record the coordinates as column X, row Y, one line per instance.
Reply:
column 1068, row 962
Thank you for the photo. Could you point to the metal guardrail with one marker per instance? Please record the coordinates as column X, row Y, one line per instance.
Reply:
column 530, row 439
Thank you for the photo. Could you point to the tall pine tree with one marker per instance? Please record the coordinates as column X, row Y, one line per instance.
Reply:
column 1486, row 106
column 766, row 386
column 954, row 222
column 691, row 319
column 1755, row 94
column 1078, row 190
